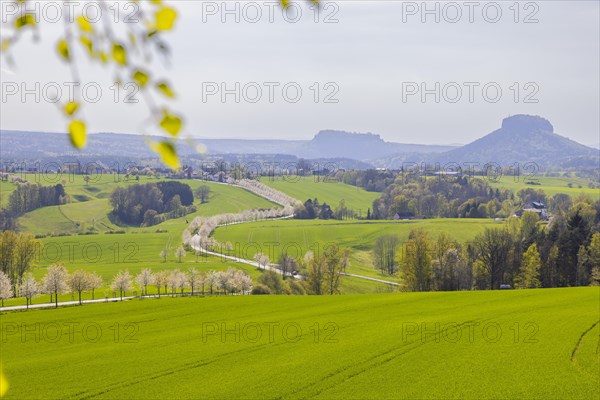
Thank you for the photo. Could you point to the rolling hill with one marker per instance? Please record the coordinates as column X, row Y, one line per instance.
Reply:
column 522, row 138
column 534, row 344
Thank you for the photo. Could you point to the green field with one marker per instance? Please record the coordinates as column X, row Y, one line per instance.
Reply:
column 512, row 344
column 90, row 207
column 550, row 185
column 106, row 254
column 304, row 188
column 299, row 236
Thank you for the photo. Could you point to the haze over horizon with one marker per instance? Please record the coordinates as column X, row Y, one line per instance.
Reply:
column 559, row 54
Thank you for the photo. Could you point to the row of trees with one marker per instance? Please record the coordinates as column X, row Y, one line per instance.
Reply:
column 267, row 192
column 450, row 198
column 457, row 197
column 58, row 281
column 319, row 274
column 29, row 196
column 523, row 253
column 145, row 204
column 311, row 209
column 232, row 281
column 204, row 226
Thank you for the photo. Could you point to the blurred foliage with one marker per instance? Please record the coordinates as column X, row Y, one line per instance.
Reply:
column 130, row 53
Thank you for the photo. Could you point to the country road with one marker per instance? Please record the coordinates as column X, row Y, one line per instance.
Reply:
column 195, row 244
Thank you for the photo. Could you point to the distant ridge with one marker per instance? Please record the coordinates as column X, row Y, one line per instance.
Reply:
column 520, row 139
column 523, row 138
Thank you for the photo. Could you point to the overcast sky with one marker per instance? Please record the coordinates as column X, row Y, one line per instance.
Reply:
column 373, row 58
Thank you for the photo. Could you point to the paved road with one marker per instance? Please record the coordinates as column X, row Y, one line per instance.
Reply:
column 65, row 303
column 273, row 267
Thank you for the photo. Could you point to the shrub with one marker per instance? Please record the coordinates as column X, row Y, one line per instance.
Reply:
column 261, row 289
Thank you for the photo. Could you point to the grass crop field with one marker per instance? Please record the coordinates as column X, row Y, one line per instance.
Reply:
column 90, row 207
column 296, row 237
column 107, row 254
column 487, row 345
column 304, row 188
column 550, row 185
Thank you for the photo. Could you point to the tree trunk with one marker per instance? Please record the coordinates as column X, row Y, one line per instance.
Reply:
column 55, row 299
column 80, row 298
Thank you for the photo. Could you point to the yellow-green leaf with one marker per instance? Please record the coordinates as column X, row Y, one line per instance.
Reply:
column 3, row 383
column 165, row 18
column 78, row 134
column 84, row 24
column 141, row 78
column 284, row 3
column 119, row 54
column 24, row 20
column 71, row 107
column 103, row 57
column 171, row 123
column 63, row 49
column 5, row 45
column 88, row 44
column 168, row 154
column 165, row 89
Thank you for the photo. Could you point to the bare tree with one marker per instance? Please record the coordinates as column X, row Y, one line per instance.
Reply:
column 384, row 254
column 55, row 281
column 336, row 261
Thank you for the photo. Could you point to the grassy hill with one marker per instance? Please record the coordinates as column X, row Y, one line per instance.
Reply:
column 90, row 207
column 299, row 236
column 550, row 185
column 303, row 188
column 494, row 344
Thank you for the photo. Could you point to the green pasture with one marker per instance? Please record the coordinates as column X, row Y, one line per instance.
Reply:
column 296, row 237
column 534, row 344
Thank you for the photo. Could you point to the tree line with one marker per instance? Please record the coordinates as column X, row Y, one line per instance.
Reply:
column 29, row 196
column 315, row 274
column 524, row 253
column 58, row 281
column 152, row 203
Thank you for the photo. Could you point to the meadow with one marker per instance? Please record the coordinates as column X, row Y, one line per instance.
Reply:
column 326, row 191
column 296, row 237
column 534, row 344
column 90, row 207
column 106, row 254
column 550, row 185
